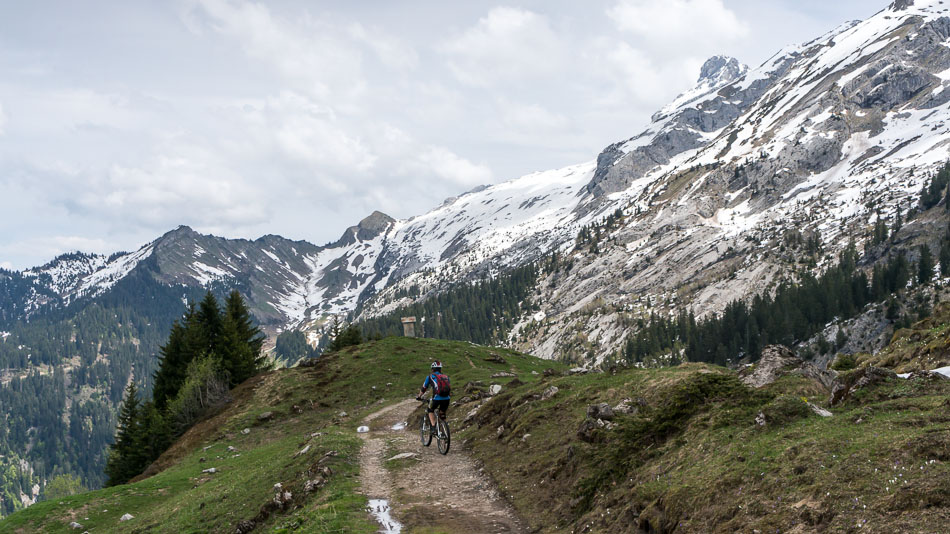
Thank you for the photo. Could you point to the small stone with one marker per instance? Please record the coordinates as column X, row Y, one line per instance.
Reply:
column 342, row 414
column 525, row 437
column 363, row 429
column 202, row 460
column 266, row 416
column 246, row 431
column 313, row 485
column 303, row 451
column 760, row 419
column 75, row 525
column 503, row 374
column 549, row 392
column 495, row 389
column 210, row 470
column 404, row 456
column 500, row 432
column 231, row 449
column 126, row 517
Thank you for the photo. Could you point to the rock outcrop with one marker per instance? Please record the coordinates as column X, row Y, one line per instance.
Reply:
column 777, row 361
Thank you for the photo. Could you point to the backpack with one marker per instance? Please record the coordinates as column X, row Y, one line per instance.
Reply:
column 440, row 385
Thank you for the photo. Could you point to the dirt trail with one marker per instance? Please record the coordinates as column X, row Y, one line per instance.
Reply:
column 445, row 493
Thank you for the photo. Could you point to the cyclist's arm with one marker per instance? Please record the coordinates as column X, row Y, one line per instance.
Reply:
column 425, row 386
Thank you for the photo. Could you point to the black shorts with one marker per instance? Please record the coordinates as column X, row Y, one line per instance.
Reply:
column 442, row 405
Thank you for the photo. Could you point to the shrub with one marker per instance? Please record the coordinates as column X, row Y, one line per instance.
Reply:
column 844, row 362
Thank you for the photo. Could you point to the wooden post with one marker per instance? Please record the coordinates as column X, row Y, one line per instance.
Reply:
column 409, row 326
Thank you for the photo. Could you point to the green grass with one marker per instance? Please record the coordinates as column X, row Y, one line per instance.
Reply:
column 693, row 459
column 358, row 380
column 690, row 459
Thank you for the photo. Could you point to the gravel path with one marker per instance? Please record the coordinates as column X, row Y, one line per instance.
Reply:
column 446, row 492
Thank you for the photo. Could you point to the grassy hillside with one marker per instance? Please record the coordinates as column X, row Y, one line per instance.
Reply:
column 691, row 458
column 306, row 404
column 688, row 456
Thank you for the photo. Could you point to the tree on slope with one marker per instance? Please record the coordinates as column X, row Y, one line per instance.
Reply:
column 240, row 342
column 124, row 455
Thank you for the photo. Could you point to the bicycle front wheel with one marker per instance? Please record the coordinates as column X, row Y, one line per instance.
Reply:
column 445, row 439
column 424, row 434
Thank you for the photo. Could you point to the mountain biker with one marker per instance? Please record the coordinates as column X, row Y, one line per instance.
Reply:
column 441, row 392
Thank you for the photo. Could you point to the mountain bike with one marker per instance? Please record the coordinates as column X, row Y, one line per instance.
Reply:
column 441, row 433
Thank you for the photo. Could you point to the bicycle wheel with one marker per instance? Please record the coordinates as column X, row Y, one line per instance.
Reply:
column 445, row 439
column 424, row 435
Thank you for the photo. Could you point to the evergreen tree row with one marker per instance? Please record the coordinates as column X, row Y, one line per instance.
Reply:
column 482, row 312
column 209, row 350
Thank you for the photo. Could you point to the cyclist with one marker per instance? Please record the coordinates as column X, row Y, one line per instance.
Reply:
column 441, row 392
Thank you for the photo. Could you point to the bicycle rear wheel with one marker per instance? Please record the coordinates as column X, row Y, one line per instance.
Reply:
column 444, row 438
column 424, row 434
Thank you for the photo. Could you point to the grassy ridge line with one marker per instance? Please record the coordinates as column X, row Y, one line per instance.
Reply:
column 179, row 498
column 692, row 459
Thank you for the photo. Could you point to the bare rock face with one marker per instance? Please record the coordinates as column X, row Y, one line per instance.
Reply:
column 778, row 361
column 844, row 387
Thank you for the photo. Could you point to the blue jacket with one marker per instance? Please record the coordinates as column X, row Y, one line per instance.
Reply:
column 430, row 382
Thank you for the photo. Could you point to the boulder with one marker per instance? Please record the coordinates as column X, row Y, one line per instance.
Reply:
column 495, row 358
column 778, row 361
column 628, row 407
column 494, row 389
column 314, row 484
column 600, row 411
column 845, row 386
column 266, row 416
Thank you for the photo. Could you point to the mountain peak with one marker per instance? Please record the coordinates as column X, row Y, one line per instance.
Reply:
column 721, row 69
column 376, row 223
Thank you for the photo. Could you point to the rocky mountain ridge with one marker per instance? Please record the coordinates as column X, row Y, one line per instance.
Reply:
column 822, row 138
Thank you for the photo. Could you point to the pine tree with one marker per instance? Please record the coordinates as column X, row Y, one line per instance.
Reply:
column 241, row 341
column 925, row 266
column 209, row 317
column 945, row 258
column 155, row 435
column 124, row 455
column 175, row 356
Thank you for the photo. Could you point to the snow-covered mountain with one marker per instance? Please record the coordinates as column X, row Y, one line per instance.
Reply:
column 821, row 138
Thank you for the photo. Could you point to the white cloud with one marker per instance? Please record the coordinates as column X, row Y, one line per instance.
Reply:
column 307, row 50
column 392, row 52
column 507, row 45
column 456, row 170
column 3, row 119
column 673, row 27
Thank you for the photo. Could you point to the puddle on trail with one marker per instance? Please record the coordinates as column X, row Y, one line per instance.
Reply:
column 380, row 510
column 400, row 426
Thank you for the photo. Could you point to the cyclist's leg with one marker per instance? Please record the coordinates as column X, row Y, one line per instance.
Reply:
column 430, row 409
column 443, row 408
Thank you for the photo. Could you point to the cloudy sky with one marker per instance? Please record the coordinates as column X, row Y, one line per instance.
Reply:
column 122, row 120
